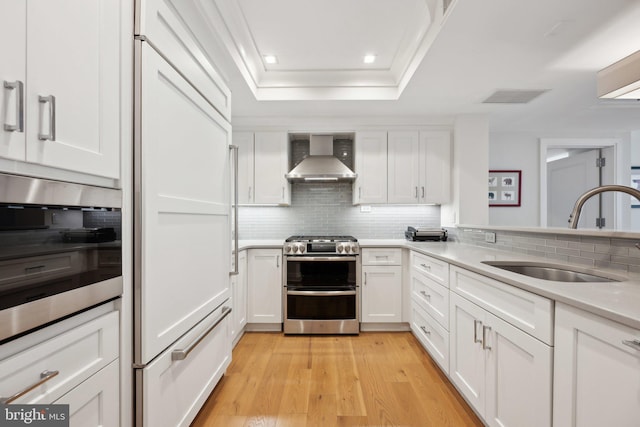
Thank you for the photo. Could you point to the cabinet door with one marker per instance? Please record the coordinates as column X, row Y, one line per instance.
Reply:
column 382, row 294
column 518, row 379
column 467, row 357
column 597, row 376
column 184, row 206
column 371, row 166
column 271, row 163
column 403, row 163
column 95, row 402
column 12, row 76
column 239, row 295
column 74, row 55
column 435, row 167
column 265, row 288
column 244, row 141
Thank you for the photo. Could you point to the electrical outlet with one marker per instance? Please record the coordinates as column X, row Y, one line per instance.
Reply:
column 490, row 237
column 364, row 208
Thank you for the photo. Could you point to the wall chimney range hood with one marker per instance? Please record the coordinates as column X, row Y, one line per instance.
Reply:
column 321, row 165
column 621, row 80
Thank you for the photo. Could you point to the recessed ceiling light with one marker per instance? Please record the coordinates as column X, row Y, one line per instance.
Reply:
column 270, row 59
column 369, row 59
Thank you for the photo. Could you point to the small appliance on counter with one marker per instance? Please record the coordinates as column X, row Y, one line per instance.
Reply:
column 424, row 234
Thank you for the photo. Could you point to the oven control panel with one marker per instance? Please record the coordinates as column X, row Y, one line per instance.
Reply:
column 321, row 248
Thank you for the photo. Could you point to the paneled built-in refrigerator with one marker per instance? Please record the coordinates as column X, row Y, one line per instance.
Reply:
column 182, row 219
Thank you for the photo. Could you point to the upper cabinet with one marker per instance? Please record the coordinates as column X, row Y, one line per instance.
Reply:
column 71, row 100
column 403, row 167
column 371, row 166
column 419, row 167
column 262, row 165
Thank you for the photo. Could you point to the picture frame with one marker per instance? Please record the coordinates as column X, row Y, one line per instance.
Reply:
column 505, row 188
column 635, row 183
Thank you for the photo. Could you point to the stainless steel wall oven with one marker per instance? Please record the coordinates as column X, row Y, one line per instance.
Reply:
column 60, row 250
column 322, row 285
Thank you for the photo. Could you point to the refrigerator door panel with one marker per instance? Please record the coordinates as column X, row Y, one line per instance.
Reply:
column 182, row 209
column 173, row 390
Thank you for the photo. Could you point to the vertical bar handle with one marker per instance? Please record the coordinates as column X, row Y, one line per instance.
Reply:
column 365, row 278
column 19, row 86
column 51, row 136
column 278, row 261
column 484, row 337
column 423, row 191
column 475, row 331
column 236, row 267
column 416, row 192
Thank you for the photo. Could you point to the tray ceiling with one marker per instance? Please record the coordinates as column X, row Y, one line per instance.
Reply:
column 320, row 45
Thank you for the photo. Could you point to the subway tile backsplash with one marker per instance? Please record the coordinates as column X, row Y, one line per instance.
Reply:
column 590, row 251
column 326, row 208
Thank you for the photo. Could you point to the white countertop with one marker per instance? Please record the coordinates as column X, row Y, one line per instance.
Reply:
column 618, row 301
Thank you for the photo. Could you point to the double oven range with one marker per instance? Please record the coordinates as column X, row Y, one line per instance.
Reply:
column 321, row 285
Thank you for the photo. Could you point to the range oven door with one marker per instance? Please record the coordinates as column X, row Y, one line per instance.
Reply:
column 322, row 295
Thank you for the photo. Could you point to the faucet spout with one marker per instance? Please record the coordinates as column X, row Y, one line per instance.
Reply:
column 575, row 214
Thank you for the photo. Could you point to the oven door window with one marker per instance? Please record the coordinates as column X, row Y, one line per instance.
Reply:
column 321, row 275
column 313, row 307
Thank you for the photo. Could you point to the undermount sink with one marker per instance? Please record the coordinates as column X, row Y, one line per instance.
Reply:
column 550, row 272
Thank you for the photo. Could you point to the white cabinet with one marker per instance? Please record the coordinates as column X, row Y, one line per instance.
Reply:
column 239, row 299
column 597, row 377
column 76, row 361
column 72, row 94
column 371, row 166
column 246, row 190
column 381, row 285
column 270, row 166
column 419, row 167
column 265, row 288
column 504, row 373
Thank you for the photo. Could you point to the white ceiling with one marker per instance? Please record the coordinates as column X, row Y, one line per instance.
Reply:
column 429, row 65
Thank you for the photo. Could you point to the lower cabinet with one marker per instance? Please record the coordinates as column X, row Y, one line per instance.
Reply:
column 381, row 294
column 264, row 286
column 599, row 380
column 239, row 299
column 504, row 373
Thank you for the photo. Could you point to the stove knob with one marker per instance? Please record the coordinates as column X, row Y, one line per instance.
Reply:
column 354, row 248
column 295, row 249
column 287, row 248
column 302, row 247
column 340, row 249
column 347, row 248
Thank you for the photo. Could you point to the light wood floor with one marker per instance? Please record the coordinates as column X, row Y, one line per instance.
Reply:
column 373, row 379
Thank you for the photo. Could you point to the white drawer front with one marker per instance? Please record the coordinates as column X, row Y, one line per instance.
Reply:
column 529, row 312
column 433, row 337
column 433, row 268
column 173, row 391
column 381, row 256
column 76, row 355
column 432, row 297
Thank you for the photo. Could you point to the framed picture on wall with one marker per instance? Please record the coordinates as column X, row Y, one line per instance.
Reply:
column 505, row 188
column 635, row 183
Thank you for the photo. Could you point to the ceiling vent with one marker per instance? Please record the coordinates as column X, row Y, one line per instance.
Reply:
column 513, row 96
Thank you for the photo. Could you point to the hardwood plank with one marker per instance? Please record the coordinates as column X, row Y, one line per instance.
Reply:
column 372, row 379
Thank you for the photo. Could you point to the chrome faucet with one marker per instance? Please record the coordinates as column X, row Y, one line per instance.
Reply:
column 575, row 214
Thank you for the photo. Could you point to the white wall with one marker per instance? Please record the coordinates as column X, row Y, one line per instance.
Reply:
column 517, row 151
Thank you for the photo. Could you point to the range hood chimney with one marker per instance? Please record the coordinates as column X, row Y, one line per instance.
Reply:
column 321, row 164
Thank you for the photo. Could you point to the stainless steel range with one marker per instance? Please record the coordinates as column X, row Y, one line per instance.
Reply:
column 322, row 285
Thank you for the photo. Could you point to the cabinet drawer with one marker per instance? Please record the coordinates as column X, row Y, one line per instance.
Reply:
column 382, row 256
column 173, row 391
column 433, row 337
column 432, row 297
column 76, row 355
column 431, row 267
column 529, row 312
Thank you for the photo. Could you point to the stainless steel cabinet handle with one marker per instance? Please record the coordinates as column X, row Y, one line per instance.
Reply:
column 416, row 192
column 426, row 267
column 44, row 377
column 278, row 261
column 634, row 344
column 365, row 278
column 19, row 126
column 423, row 192
column 249, row 195
column 425, row 330
column 182, row 354
column 475, row 331
column 484, row 337
column 234, row 150
column 426, row 295
column 51, row 136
